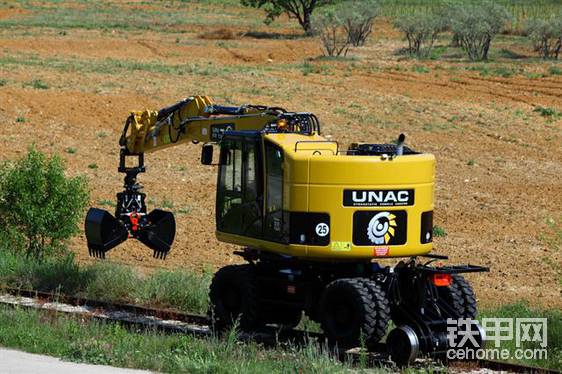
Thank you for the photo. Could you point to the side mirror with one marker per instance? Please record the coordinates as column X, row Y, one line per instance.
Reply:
column 207, row 154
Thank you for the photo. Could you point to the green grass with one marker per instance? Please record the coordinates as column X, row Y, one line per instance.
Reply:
column 104, row 280
column 82, row 340
column 106, row 202
column 555, row 70
column 113, row 66
column 554, row 329
column 70, row 150
column 439, row 232
column 37, row 84
column 20, row 119
column 520, row 9
column 547, row 112
column 92, row 166
column 166, row 16
column 420, row 69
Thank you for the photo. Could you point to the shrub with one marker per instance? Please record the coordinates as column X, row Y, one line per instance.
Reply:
column 358, row 17
column 330, row 28
column 39, row 205
column 476, row 24
column 420, row 31
column 546, row 36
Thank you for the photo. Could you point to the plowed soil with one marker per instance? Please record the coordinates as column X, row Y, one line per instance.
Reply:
column 499, row 175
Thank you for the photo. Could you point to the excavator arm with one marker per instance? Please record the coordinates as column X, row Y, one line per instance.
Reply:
column 195, row 119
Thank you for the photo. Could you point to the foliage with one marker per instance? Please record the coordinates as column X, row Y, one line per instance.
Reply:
column 358, row 17
column 421, row 31
column 476, row 24
column 546, row 36
column 301, row 10
column 39, row 206
column 330, row 28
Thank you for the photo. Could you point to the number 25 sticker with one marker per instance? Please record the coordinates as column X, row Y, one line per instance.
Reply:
column 322, row 229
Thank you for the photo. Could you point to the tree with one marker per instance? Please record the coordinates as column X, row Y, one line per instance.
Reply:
column 476, row 24
column 330, row 28
column 301, row 10
column 39, row 205
column 546, row 36
column 421, row 30
column 358, row 17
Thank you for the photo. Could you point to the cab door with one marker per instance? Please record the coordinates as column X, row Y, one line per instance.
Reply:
column 239, row 208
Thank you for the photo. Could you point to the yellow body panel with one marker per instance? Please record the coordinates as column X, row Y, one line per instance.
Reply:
column 315, row 177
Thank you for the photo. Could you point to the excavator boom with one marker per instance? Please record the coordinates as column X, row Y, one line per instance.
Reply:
column 196, row 119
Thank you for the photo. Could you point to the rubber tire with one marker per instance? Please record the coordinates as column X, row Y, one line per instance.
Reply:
column 460, row 296
column 382, row 312
column 285, row 318
column 348, row 312
column 233, row 298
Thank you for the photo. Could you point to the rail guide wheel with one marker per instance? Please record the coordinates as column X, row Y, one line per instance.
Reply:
column 403, row 345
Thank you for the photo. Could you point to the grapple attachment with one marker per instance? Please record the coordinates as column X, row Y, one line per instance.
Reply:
column 156, row 229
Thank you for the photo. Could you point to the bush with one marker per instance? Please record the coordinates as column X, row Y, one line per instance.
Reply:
column 39, row 206
column 421, row 30
column 475, row 25
column 358, row 17
column 330, row 28
column 546, row 36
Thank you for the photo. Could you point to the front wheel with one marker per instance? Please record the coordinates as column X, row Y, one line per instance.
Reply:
column 233, row 298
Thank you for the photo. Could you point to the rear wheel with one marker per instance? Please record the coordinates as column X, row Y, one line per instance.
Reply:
column 460, row 296
column 233, row 298
column 353, row 310
column 381, row 309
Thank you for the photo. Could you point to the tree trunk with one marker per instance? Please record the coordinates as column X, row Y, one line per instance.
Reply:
column 306, row 23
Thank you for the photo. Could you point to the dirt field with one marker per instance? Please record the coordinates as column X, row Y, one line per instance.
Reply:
column 69, row 76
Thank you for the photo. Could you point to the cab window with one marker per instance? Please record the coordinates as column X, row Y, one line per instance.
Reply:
column 239, row 190
column 275, row 222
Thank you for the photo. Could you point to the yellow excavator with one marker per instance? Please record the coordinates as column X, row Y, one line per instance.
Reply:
column 312, row 221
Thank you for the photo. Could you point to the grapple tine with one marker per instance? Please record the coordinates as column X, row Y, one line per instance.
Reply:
column 103, row 232
column 159, row 234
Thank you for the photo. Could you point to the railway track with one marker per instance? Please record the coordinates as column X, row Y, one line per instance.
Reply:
column 173, row 321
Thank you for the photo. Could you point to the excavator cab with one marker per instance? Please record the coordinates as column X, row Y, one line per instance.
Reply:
column 249, row 203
